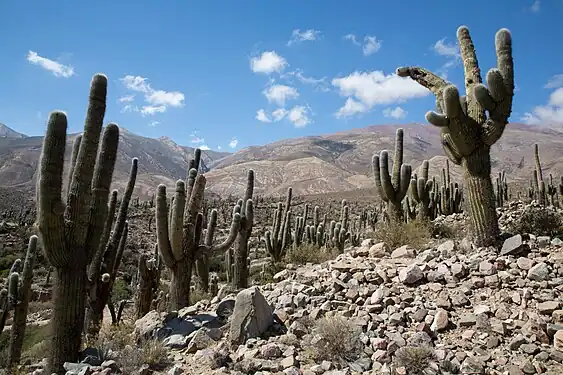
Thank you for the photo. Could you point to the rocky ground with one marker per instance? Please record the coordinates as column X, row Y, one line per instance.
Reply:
column 444, row 308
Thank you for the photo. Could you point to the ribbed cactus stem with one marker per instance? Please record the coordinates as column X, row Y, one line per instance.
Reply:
column 392, row 188
column 421, row 189
column 470, row 125
column 19, row 321
column 71, row 230
column 278, row 239
column 240, row 251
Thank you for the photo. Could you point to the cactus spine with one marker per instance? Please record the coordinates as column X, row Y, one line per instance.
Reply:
column 21, row 305
column 240, row 252
column 466, row 132
column 179, row 239
column 392, row 188
column 70, row 233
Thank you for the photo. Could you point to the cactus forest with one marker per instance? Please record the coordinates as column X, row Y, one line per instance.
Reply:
column 442, row 267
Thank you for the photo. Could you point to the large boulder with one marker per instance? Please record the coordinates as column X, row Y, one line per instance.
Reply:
column 252, row 316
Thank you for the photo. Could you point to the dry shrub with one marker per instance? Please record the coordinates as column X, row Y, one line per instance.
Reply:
column 308, row 253
column 538, row 220
column 151, row 352
column 336, row 339
column 396, row 234
column 415, row 359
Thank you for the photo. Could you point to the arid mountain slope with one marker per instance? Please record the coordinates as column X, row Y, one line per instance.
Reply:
column 311, row 165
column 342, row 161
column 160, row 161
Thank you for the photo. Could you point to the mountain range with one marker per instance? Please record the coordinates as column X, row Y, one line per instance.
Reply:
column 310, row 165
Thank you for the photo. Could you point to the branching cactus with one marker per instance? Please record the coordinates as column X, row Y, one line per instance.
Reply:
column 279, row 239
column 392, row 188
column 502, row 189
column 551, row 191
column 71, row 231
column 179, row 240
column 240, row 251
column 421, row 189
column 21, row 304
column 103, row 269
column 467, row 132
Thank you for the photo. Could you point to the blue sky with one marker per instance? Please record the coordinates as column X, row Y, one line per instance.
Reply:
column 229, row 74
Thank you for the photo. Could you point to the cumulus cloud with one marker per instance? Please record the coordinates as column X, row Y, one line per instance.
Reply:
column 450, row 51
column 156, row 101
column 233, row 143
column 262, row 116
column 299, row 115
column 58, row 69
column 268, row 62
column 396, row 113
column 280, row 94
column 298, row 36
column 365, row 90
column 548, row 114
column 535, row 6
column 370, row 44
column 554, row 82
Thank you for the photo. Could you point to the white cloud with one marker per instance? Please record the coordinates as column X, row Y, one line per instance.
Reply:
column 279, row 114
column 299, row 116
column 396, row 113
column 204, row 147
column 127, row 99
column 157, row 101
column 268, row 62
column 535, row 6
column 448, row 50
column 441, row 47
column 375, row 88
column 279, row 94
column 350, row 108
column 554, row 82
column 197, row 140
column 233, row 143
column 58, row 69
column 262, row 116
column 369, row 46
column 219, row 147
column 149, row 110
column 153, row 124
column 318, row 83
column 298, row 36
column 549, row 114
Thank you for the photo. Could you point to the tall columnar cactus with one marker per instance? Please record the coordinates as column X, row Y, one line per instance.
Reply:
column 278, row 240
column 21, row 305
column 179, row 240
column 240, row 251
column 70, row 231
column 392, row 188
column 9, row 295
column 539, row 184
column 551, row 191
column 467, row 132
column 103, row 268
column 421, row 189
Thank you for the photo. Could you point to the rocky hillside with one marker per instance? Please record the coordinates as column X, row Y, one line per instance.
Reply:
column 310, row 165
column 160, row 160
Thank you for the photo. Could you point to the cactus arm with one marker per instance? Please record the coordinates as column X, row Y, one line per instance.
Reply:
column 375, row 166
column 119, row 253
column 233, row 232
column 398, row 160
column 415, row 190
column 79, row 201
column 177, row 219
column 162, row 227
column 426, row 79
column 94, row 269
column 75, row 149
column 50, row 220
column 211, row 226
column 404, row 181
column 385, row 177
column 100, row 188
